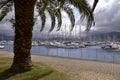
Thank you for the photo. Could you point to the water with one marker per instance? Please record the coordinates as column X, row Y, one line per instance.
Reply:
column 92, row 52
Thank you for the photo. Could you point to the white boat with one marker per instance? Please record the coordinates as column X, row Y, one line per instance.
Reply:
column 71, row 45
column 52, row 44
column 82, row 46
column 110, row 46
column 34, row 43
column 9, row 42
column 2, row 46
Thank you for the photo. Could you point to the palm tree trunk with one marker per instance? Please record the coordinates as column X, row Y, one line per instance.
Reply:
column 24, row 11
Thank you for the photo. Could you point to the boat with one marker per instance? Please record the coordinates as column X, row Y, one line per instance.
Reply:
column 2, row 46
column 71, row 45
column 82, row 46
column 34, row 43
column 111, row 46
column 89, row 43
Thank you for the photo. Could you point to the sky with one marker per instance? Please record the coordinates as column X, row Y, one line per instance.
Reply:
column 107, row 18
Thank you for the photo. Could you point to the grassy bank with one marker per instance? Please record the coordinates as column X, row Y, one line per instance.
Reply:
column 40, row 72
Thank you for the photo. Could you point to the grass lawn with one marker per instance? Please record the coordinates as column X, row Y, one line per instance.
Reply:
column 40, row 72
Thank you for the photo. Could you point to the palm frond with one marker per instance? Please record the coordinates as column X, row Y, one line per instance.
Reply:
column 4, row 2
column 43, row 20
column 70, row 13
column 85, row 10
column 41, row 7
column 90, row 18
column 12, row 21
column 59, row 18
column 6, row 9
column 53, row 20
column 54, row 9
column 94, row 5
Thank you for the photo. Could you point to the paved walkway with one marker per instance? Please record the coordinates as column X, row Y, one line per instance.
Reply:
column 78, row 69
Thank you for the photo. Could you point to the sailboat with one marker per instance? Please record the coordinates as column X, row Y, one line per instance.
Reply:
column 111, row 45
column 81, row 45
column 1, row 44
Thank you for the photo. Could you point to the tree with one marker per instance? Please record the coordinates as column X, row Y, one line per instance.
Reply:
column 24, row 21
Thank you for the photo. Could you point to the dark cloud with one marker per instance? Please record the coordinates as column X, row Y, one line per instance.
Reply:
column 108, row 18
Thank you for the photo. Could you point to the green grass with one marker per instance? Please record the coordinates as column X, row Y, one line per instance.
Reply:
column 39, row 72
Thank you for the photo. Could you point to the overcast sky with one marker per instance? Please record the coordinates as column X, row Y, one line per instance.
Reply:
column 107, row 18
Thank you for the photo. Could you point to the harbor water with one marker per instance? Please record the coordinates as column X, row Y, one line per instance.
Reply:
column 90, row 52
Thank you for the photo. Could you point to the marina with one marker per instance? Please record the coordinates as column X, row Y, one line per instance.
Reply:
column 60, row 40
column 72, row 50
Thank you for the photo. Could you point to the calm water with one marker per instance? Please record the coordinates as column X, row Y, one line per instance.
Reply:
column 93, row 52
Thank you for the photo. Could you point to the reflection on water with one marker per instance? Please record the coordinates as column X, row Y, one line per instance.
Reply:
column 92, row 52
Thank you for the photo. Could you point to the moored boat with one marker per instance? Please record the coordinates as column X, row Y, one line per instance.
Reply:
column 2, row 46
column 110, row 46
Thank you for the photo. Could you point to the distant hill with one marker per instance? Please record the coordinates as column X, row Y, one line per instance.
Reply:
column 36, row 36
column 6, row 37
column 107, row 35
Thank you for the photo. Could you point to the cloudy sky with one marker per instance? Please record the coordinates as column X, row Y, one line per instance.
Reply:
column 107, row 18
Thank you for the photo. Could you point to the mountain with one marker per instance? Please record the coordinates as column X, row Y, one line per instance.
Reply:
column 6, row 37
column 110, row 35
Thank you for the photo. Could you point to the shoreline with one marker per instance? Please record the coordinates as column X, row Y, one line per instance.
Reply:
column 71, row 58
column 62, row 57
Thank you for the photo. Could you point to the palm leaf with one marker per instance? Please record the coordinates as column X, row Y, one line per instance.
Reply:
column 41, row 6
column 70, row 13
column 59, row 18
column 91, row 18
column 43, row 20
column 52, row 15
column 94, row 5
column 6, row 9
column 85, row 10
column 54, row 8
column 3, row 3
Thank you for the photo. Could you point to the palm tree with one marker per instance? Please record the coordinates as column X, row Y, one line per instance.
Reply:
column 24, row 22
